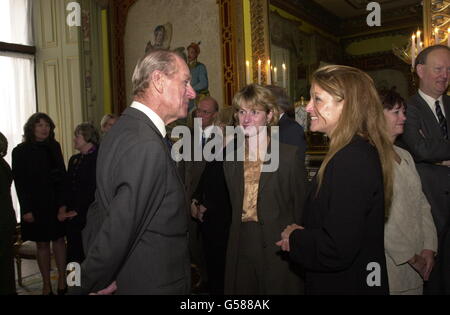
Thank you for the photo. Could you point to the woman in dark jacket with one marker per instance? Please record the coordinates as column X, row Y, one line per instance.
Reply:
column 39, row 173
column 7, row 224
column 80, row 189
column 341, row 243
column 264, row 197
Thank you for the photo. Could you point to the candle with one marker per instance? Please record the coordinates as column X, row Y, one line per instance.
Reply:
column 413, row 50
column 284, row 75
column 436, row 36
column 418, row 41
column 259, row 71
column 269, row 74
column 247, row 74
column 275, row 75
column 448, row 37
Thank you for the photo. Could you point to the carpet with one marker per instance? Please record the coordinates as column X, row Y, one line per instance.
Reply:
column 32, row 284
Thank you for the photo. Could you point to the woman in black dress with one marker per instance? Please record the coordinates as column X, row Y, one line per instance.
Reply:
column 39, row 173
column 341, row 242
column 7, row 224
column 80, row 189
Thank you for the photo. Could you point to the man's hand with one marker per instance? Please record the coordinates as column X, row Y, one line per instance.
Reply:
column 446, row 163
column 28, row 217
column 108, row 291
column 284, row 243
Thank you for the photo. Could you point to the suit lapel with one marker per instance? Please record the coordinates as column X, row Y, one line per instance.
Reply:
column 137, row 114
column 429, row 118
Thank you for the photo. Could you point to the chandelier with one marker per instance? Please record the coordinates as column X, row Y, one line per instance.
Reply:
column 436, row 29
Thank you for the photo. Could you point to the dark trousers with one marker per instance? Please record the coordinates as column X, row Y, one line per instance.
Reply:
column 7, row 277
column 215, row 250
column 75, row 251
column 250, row 265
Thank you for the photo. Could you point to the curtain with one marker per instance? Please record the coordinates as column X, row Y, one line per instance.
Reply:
column 17, row 76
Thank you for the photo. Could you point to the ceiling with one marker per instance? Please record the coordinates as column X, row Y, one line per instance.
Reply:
column 344, row 9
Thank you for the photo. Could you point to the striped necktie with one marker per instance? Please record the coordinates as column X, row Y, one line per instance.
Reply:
column 442, row 120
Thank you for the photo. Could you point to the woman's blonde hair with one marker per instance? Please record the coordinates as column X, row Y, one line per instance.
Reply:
column 362, row 114
column 257, row 97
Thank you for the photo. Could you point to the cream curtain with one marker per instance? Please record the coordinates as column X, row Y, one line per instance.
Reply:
column 17, row 75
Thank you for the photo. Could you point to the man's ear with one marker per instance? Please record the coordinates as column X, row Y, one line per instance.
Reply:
column 158, row 80
column 420, row 70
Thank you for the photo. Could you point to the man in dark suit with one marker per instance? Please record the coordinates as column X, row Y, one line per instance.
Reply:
column 207, row 110
column 426, row 137
column 290, row 131
column 136, row 235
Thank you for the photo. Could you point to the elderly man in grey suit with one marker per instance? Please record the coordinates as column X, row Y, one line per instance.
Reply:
column 426, row 137
column 136, row 237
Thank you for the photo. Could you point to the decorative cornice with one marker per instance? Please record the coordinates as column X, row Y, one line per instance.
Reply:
column 404, row 17
column 310, row 12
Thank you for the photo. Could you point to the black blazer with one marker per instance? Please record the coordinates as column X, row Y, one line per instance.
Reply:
column 344, row 225
column 7, row 214
column 80, row 186
column 136, row 230
column 281, row 196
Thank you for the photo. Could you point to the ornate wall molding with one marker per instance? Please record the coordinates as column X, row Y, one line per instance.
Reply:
column 228, row 35
column 260, row 36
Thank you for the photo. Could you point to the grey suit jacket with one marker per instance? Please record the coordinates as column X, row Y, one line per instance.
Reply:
column 136, row 229
column 422, row 137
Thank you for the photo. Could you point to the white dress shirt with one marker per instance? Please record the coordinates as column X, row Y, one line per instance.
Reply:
column 156, row 120
column 431, row 102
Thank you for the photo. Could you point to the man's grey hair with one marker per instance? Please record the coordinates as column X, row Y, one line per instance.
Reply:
column 162, row 60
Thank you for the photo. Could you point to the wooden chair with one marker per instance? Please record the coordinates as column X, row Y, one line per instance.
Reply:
column 23, row 250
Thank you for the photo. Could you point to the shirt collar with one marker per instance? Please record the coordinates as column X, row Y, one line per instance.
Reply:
column 430, row 100
column 156, row 120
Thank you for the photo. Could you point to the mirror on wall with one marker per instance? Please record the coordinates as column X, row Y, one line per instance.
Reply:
column 307, row 34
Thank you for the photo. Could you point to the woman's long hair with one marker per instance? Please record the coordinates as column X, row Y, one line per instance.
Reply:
column 28, row 129
column 362, row 114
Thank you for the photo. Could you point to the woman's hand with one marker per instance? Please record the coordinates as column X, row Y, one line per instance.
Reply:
column 284, row 243
column 194, row 208
column 64, row 215
column 201, row 212
column 28, row 217
column 419, row 264
column 428, row 256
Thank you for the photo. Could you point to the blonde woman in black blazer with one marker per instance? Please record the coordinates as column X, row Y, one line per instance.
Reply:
column 262, row 202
